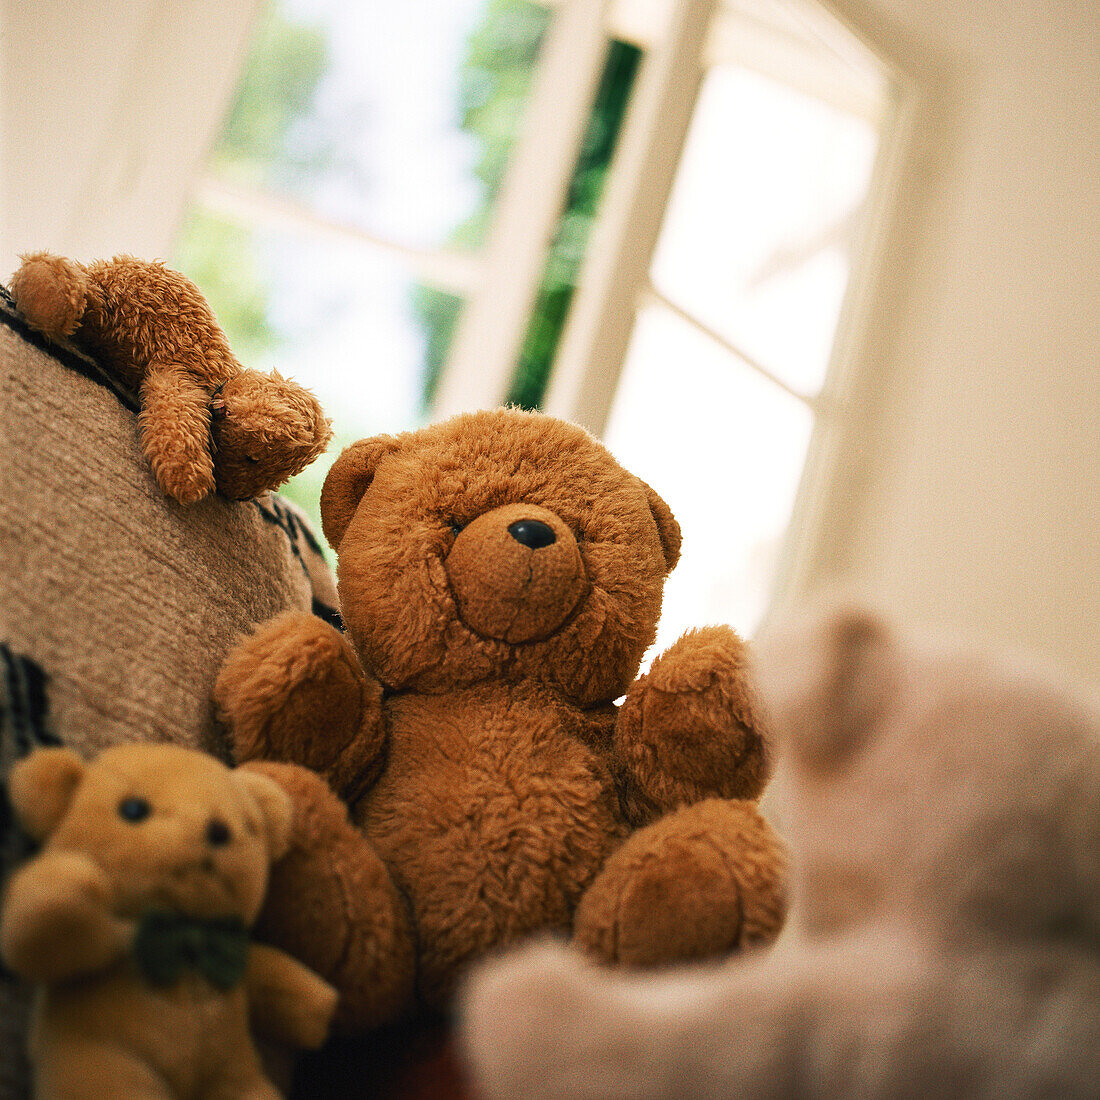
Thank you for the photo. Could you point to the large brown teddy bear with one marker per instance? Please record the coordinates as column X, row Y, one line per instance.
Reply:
column 944, row 815
column 206, row 422
column 500, row 578
column 134, row 918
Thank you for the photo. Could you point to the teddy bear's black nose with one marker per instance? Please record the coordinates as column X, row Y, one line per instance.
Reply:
column 531, row 532
column 217, row 833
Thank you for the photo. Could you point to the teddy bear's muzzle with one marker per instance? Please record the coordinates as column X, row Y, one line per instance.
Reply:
column 516, row 573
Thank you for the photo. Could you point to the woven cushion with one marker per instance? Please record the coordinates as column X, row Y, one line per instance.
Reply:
column 117, row 605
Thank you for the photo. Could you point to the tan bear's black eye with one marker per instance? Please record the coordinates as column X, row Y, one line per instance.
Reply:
column 455, row 526
column 249, row 458
column 134, row 809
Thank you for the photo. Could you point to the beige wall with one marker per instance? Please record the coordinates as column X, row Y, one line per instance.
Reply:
column 107, row 110
column 969, row 494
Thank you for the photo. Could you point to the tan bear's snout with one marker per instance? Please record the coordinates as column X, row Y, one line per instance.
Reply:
column 516, row 573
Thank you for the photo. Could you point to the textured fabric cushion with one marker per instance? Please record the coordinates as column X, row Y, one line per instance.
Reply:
column 117, row 605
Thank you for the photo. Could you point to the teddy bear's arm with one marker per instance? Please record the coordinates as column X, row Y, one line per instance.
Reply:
column 332, row 903
column 544, row 1022
column 175, row 432
column 690, row 728
column 287, row 1001
column 57, row 921
column 294, row 691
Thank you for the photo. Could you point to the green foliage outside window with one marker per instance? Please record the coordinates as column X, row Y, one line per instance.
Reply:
column 277, row 86
column 271, row 139
column 260, row 145
column 496, row 75
column 492, row 96
column 563, row 263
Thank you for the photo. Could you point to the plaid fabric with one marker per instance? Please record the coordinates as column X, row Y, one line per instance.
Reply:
column 24, row 725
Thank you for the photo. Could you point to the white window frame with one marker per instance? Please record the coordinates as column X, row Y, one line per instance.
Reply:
column 682, row 39
column 123, row 180
column 486, row 346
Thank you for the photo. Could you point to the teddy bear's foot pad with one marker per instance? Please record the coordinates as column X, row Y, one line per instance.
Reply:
column 706, row 880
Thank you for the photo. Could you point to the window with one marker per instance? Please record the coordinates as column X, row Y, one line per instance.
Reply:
column 339, row 225
column 737, row 308
column 640, row 215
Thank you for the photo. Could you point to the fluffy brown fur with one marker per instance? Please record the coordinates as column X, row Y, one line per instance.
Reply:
column 944, row 813
column 500, row 577
column 206, row 422
column 71, row 914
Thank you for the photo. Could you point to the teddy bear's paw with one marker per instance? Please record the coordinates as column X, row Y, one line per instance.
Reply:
column 186, row 481
column 58, row 919
column 703, row 881
column 287, row 1001
column 332, row 904
column 691, row 727
column 294, row 691
column 178, row 453
column 50, row 292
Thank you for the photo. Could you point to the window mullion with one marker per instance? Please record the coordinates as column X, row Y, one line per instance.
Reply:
column 490, row 334
column 616, row 270
column 449, row 270
column 651, row 294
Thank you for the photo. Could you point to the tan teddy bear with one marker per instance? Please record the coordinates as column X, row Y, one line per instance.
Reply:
column 134, row 919
column 500, row 576
column 944, row 941
column 206, row 422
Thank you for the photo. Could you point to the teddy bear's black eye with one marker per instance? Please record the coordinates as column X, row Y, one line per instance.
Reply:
column 455, row 526
column 134, row 809
column 249, row 458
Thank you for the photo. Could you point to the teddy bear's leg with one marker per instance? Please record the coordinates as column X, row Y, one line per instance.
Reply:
column 704, row 880
column 244, row 1080
column 50, row 292
column 294, row 691
column 258, row 1089
column 175, row 432
column 844, row 1019
column 332, row 904
column 86, row 1070
column 691, row 728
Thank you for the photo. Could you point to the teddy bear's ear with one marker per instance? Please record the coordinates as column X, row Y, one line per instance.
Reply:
column 667, row 527
column 275, row 806
column 348, row 480
column 41, row 786
column 826, row 683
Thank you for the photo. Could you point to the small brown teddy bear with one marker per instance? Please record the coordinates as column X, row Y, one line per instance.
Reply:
column 500, row 577
column 944, row 814
column 206, row 422
column 134, row 918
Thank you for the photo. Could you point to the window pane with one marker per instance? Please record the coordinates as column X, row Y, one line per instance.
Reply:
column 755, row 241
column 396, row 118
column 567, row 250
column 724, row 448
column 347, row 322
